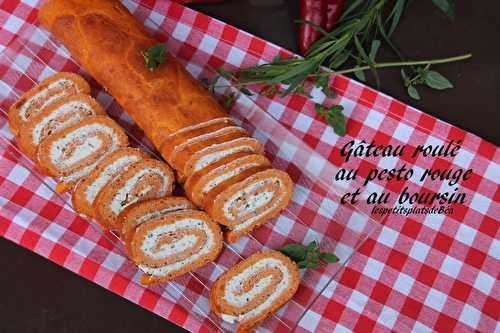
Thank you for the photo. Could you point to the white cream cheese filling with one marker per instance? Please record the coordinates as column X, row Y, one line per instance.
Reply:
column 105, row 176
column 59, row 112
column 177, row 246
column 88, row 146
column 23, row 110
column 233, row 288
column 121, row 194
column 218, row 180
column 159, row 213
column 218, row 155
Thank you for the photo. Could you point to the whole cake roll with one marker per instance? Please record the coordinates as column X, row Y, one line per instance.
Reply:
column 248, row 204
column 255, row 288
column 74, row 151
column 143, row 211
column 142, row 180
column 59, row 114
column 175, row 244
column 47, row 92
column 114, row 164
column 202, row 184
column 109, row 43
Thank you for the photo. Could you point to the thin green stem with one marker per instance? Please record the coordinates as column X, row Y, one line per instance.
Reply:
column 405, row 63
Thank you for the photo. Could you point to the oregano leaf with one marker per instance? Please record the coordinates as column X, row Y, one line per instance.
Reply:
column 437, row 81
column 412, row 92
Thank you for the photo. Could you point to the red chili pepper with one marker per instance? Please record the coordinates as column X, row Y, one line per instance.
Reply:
column 184, row 2
column 324, row 13
column 313, row 11
column 333, row 13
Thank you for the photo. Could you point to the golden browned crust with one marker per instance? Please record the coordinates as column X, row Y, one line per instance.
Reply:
column 143, row 211
column 170, row 218
column 26, row 143
column 219, row 306
column 108, row 41
column 79, row 85
column 79, row 200
column 147, row 187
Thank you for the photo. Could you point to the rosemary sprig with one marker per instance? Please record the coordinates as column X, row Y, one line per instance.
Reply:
column 351, row 48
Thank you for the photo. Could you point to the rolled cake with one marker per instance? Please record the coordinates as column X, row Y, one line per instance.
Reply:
column 183, row 152
column 143, row 180
column 47, row 92
column 109, row 42
column 74, row 151
column 115, row 163
column 246, row 205
column 143, row 211
column 175, row 244
column 255, row 288
column 173, row 140
column 226, row 172
column 61, row 113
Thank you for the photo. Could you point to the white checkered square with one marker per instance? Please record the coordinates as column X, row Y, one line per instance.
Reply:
column 388, row 237
column 374, row 119
column 451, row 266
column 480, row 203
column 113, row 261
column 310, row 320
column 403, row 132
column 388, row 317
column 419, row 251
column 484, row 282
column 434, row 221
column 315, row 165
column 435, row 299
column 208, row 44
column 470, row 316
column 463, row 159
column 53, row 232
column 466, row 234
column 181, row 32
column 328, row 208
column 302, row 123
column 373, row 268
column 236, row 56
column 13, row 24
column 357, row 301
column 492, row 171
column 276, row 109
column 404, row 283
column 83, row 247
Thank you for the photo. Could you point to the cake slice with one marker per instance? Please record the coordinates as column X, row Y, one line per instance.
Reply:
column 143, row 180
column 254, row 289
column 47, row 92
column 63, row 112
column 114, row 164
column 143, row 211
column 73, row 152
column 175, row 244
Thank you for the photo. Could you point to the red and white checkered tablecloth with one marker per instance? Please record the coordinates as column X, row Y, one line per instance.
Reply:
column 417, row 273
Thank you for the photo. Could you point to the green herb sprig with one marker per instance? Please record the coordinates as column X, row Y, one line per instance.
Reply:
column 351, row 48
column 154, row 56
column 308, row 256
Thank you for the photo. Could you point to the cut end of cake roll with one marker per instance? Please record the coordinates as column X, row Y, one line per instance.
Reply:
column 202, row 185
column 74, row 151
column 252, row 202
column 175, row 244
column 47, row 92
column 171, row 141
column 183, row 151
column 62, row 113
column 217, row 152
column 112, row 165
column 254, row 289
column 143, row 211
column 143, row 180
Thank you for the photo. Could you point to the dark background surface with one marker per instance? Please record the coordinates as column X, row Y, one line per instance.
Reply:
column 39, row 296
